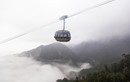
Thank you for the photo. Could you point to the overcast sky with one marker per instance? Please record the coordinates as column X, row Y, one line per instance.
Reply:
column 102, row 23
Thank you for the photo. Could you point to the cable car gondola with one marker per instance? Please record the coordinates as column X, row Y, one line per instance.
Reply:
column 63, row 35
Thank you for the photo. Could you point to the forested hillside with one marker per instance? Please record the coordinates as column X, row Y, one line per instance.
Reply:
column 116, row 72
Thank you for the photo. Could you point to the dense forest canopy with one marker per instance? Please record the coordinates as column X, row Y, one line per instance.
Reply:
column 116, row 72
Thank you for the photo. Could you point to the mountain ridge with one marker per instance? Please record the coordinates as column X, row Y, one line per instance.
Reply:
column 56, row 52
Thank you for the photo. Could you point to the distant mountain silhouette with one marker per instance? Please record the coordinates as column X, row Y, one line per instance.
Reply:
column 55, row 52
column 92, row 52
column 103, row 52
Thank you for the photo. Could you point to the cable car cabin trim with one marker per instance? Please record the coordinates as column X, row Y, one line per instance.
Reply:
column 62, row 40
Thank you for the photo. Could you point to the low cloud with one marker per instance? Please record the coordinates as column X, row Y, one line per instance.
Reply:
column 24, row 69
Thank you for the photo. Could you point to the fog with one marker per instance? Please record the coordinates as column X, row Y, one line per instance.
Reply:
column 102, row 23
column 97, row 28
column 23, row 69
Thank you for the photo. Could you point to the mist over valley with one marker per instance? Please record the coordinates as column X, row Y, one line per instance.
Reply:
column 56, row 61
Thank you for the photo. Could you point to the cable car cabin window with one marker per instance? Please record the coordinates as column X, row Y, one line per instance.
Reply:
column 58, row 35
column 61, row 35
column 65, row 35
column 68, row 35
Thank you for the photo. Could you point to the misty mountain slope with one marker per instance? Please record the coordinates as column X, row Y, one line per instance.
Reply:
column 60, row 56
column 103, row 52
column 55, row 52
column 34, row 52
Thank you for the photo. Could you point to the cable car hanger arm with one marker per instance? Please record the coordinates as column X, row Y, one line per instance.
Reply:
column 63, row 18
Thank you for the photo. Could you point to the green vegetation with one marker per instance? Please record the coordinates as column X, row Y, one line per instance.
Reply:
column 116, row 72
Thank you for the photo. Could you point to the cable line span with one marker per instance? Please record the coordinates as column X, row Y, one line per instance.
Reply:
column 27, row 32
column 56, row 21
column 90, row 8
